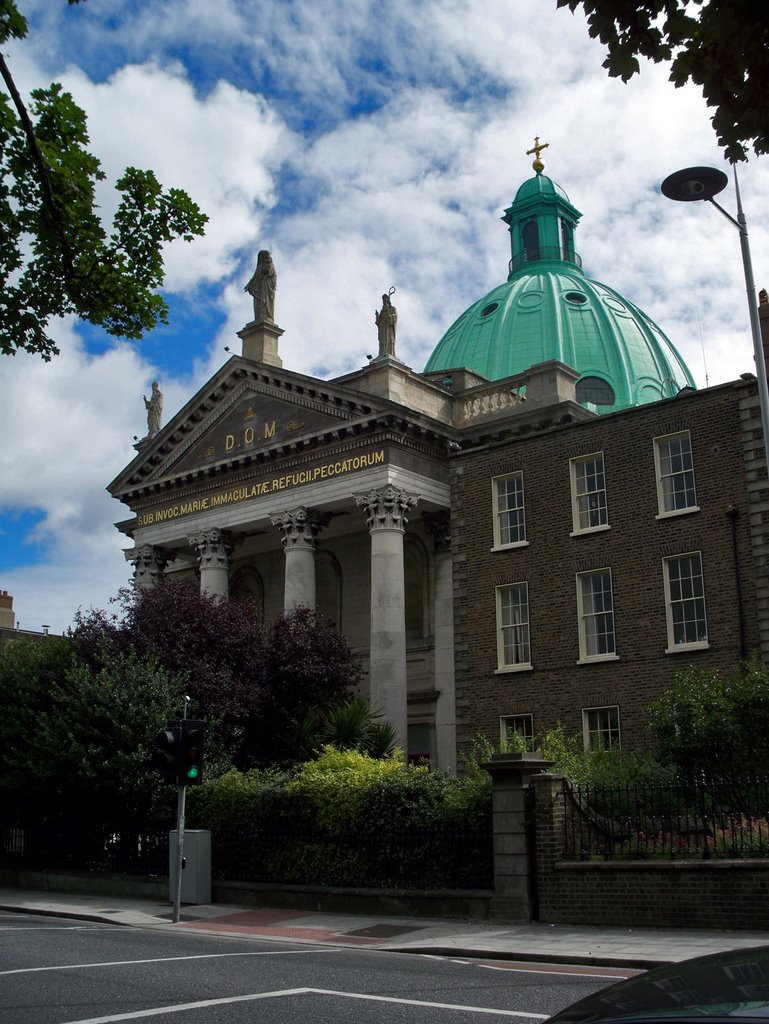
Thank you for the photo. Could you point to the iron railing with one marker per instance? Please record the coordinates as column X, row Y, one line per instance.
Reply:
column 423, row 859
column 413, row 859
column 717, row 819
column 64, row 843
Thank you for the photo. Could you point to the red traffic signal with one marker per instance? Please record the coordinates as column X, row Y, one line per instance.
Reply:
column 165, row 759
column 191, row 753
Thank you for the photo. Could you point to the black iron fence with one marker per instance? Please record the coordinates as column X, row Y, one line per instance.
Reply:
column 414, row 859
column 66, row 843
column 715, row 819
column 424, row 859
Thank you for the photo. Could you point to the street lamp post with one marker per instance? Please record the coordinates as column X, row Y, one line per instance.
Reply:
column 698, row 183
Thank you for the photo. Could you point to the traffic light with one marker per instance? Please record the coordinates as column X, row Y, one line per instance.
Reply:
column 165, row 759
column 191, row 753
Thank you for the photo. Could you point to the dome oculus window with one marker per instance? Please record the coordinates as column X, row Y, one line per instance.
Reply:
column 488, row 310
column 595, row 391
column 576, row 297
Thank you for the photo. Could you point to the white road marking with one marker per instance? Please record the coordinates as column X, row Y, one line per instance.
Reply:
column 182, row 1007
column 167, row 959
column 563, row 969
column 63, row 928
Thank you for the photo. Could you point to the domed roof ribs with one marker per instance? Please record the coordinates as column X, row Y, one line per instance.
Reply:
column 549, row 310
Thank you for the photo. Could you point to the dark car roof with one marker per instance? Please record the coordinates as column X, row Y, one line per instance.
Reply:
column 726, row 985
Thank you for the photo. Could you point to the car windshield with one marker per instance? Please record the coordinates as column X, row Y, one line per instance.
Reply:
column 727, row 985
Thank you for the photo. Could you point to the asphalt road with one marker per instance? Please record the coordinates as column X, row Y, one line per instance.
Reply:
column 59, row 971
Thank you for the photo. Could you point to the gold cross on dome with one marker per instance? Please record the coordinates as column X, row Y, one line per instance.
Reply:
column 536, row 149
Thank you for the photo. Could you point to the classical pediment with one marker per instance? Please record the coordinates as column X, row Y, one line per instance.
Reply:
column 241, row 413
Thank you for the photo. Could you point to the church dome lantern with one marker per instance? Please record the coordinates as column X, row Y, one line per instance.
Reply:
column 548, row 309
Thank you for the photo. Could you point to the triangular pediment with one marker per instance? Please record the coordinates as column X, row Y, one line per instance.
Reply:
column 252, row 418
column 245, row 410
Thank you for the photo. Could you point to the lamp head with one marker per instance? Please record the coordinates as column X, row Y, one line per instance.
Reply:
column 694, row 183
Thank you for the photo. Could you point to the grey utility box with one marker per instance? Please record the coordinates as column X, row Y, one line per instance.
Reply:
column 196, row 872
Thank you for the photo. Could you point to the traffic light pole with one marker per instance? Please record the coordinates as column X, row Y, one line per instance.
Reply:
column 179, row 852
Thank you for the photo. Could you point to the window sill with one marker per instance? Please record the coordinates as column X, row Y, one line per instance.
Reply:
column 678, row 512
column 589, row 530
column 701, row 645
column 598, row 658
column 508, row 547
column 512, row 668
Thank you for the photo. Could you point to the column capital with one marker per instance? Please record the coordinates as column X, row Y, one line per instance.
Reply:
column 149, row 562
column 299, row 527
column 386, row 507
column 214, row 547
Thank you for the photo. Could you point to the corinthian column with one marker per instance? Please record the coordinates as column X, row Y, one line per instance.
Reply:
column 213, row 548
column 299, row 530
column 149, row 564
column 386, row 510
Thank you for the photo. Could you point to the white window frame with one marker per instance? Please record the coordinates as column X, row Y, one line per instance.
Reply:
column 500, row 512
column 521, row 662
column 587, row 505
column 685, row 606
column 602, row 721
column 672, row 467
column 522, row 724
column 590, row 618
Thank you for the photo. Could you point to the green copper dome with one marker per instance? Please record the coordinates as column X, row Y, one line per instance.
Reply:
column 548, row 309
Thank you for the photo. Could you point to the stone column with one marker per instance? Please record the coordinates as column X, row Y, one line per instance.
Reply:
column 514, row 880
column 386, row 509
column 439, row 525
column 149, row 564
column 213, row 548
column 299, row 529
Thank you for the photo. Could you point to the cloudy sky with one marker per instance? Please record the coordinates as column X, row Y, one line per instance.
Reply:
column 367, row 144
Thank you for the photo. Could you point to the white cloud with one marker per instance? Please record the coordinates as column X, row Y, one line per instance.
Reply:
column 223, row 148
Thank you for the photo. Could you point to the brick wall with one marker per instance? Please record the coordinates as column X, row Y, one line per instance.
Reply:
column 679, row 894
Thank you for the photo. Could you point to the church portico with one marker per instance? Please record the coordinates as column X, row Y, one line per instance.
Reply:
column 285, row 526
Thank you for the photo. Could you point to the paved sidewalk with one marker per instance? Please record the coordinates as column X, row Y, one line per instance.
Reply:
column 620, row 947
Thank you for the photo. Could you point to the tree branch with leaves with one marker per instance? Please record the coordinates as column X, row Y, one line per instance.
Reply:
column 57, row 259
column 720, row 45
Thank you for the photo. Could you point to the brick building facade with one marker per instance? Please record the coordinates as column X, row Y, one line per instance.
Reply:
column 583, row 613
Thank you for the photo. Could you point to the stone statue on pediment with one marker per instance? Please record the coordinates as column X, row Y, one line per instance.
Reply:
column 386, row 321
column 262, row 287
column 154, row 407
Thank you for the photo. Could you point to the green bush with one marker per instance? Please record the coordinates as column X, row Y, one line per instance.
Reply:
column 416, row 798
column 333, row 786
column 233, row 800
column 713, row 727
column 613, row 767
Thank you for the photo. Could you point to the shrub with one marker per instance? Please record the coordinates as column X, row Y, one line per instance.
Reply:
column 711, row 727
column 334, row 785
column 233, row 800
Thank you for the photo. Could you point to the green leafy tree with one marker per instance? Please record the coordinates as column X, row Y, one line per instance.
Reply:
column 78, row 741
column 309, row 665
column 56, row 257
column 714, row 727
column 721, row 46
column 218, row 646
column 258, row 683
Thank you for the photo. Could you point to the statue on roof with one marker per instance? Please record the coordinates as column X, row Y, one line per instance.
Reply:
column 154, row 407
column 262, row 287
column 386, row 321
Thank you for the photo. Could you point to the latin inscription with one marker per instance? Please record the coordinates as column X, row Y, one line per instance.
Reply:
column 263, row 487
